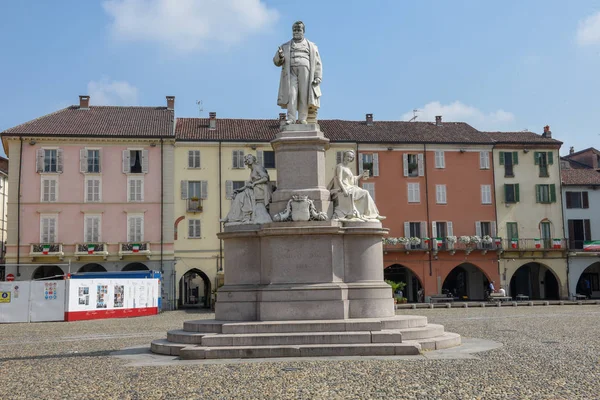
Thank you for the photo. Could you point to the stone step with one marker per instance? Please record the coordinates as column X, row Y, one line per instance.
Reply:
column 181, row 336
column 289, row 338
column 422, row 332
column 403, row 322
column 310, row 350
column 163, row 346
column 445, row 341
column 203, row 325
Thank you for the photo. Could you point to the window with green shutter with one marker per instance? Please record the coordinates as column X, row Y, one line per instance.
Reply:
column 511, row 193
column 545, row 193
column 512, row 231
column 508, row 159
column 542, row 159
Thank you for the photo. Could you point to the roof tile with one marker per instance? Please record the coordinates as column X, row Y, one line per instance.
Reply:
column 583, row 177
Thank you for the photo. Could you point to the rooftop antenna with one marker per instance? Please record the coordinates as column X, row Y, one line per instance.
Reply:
column 200, row 109
column 415, row 116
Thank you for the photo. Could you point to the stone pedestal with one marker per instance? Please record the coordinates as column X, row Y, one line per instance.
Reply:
column 300, row 159
column 304, row 271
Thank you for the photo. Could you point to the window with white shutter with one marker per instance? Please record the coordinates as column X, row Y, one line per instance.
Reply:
column 484, row 160
column 440, row 161
column 194, row 159
column 91, row 229
column 231, row 186
column 49, row 189
column 135, row 228
column 369, row 187
column 238, row 159
column 135, row 161
column 135, row 189
column 194, row 231
column 48, row 228
column 486, row 194
column 339, row 157
column 440, row 194
column 414, row 193
column 93, row 189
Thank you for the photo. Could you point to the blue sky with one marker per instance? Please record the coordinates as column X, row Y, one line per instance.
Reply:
column 499, row 65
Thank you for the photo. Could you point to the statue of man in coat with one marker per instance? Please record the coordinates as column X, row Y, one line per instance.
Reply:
column 301, row 74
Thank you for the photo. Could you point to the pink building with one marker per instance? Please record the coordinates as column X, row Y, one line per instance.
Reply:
column 93, row 192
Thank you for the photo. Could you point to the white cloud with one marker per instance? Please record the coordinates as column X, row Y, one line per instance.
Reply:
column 188, row 25
column 588, row 31
column 113, row 93
column 460, row 112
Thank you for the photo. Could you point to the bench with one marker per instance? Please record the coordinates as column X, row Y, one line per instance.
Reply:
column 498, row 297
column 521, row 297
column 580, row 296
column 441, row 298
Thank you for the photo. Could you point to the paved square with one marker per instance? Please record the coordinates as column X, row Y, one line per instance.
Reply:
column 550, row 352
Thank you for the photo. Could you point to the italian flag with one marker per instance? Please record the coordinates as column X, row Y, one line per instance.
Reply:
column 426, row 240
column 46, row 249
column 91, row 248
column 591, row 245
column 136, row 248
column 538, row 243
column 513, row 243
column 556, row 243
column 498, row 241
column 439, row 242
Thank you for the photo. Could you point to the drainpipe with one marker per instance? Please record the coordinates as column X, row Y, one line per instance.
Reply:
column 500, row 275
column 220, row 262
column 19, row 211
column 427, row 204
column 162, row 205
column 562, row 213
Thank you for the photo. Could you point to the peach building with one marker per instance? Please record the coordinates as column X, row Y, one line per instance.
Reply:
column 91, row 192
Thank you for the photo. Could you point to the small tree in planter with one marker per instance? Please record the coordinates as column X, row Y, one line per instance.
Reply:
column 396, row 286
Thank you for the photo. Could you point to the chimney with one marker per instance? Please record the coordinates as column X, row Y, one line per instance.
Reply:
column 212, row 120
column 438, row 120
column 282, row 119
column 369, row 119
column 170, row 102
column 84, row 102
column 547, row 133
column 571, row 150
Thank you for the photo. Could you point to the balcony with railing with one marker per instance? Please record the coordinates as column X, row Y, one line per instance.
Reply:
column 536, row 244
column 134, row 249
column 584, row 246
column 194, row 205
column 91, row 249
column 420, row 245
column 465, row 244
column 46, row 250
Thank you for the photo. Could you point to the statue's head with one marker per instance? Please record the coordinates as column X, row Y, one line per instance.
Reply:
column 298, row 30
column 349, row 156
column 249, row 159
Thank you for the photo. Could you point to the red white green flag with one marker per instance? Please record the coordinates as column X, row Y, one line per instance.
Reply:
column 514, row 243
column 498, row 241
column 46, row 249
column 439, row 242
column 591, row 245
column 91, row 248
column 426, row 240
column 538, row 243
column 136, row 248
column 556, row 243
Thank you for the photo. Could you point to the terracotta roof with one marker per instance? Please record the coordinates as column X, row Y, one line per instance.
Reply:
column 593, row 150
column 520, row 137
column 103, row 121
column 583, row 177
column 4, row 165
column 196, row 129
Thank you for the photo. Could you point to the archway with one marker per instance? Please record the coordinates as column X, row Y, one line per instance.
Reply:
column 49, row 272
column 194, row 289
column 135, row 267
column 400, row 273
column 466, row 282
column 589, row 281
column 536, row 281
column 92, row 267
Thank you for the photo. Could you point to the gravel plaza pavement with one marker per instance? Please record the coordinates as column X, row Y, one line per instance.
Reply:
column 548, row 352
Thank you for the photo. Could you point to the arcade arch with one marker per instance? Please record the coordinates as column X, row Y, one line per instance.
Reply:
column 194, row 289
column 49, row 272
column 92, row 267
column 136, row 266
column 400, row 273
column 591, row 288
column 466, row 282
column 535, row 280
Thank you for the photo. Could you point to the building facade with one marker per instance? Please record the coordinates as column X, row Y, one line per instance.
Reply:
column 3, row 212
column 91, row 194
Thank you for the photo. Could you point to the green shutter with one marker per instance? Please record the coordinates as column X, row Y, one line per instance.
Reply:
column 501, row 158
column 515, row 157
column 537, row 193
column 505, row 193
column 517, row 192
column 553, row 193
column 550, row 158
column 536, row 157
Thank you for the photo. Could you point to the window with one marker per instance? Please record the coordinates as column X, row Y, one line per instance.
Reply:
column 486, row 194
column 511, row 193
column 92, row 190
column 194, row 189
column 49, row 189
column 368, row 162
column 135, row 228
column 512, row 230
column 91, row 229
column 231, row 186
column 194, row 159
column 238, row 159
column 135, row 161
column 545, row 230
column 416, row 229
column 508, row 159
column 484, row 160
column 485, row 228
column 545, row 193
column 440, row 194
column 194, row 229
column 135, row 189
column 369, row 187
column 413, row 165
column 543, row 159
column 49, row 161
column 414, row 193
column 577, row 199
column 579, row 232
column 89, row 161
column 48, row 228
column 440, row 161
column 266, row 158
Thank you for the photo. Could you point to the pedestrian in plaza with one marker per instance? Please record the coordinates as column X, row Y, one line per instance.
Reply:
column 588, row 288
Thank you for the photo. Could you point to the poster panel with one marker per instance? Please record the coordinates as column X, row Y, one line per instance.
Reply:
column 47, row 301
column 14, row 304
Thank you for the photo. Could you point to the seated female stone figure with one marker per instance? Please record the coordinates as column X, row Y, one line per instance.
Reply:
column 350, row 200
column 249, row 204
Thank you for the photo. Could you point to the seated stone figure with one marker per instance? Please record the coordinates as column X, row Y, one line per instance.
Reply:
column 250, row 202
column 350, row 200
